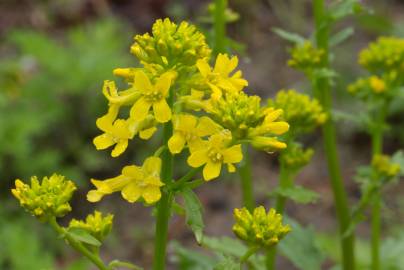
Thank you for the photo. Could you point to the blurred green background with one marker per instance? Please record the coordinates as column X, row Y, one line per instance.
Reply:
column 54, row 57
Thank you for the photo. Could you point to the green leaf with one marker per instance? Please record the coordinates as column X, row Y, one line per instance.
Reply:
column 292, row 37
column 83, row 236
column 187, row 259
column 193, row 213
column 297, row 194
column 116, row 264
column 325, row 73
column 300, row 248
column 341, row 36
column 344, row 8
column 228, row 263
column 398, row 158
column 225, row 245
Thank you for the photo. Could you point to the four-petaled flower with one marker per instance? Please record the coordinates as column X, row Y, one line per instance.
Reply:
column 188, row 129
column 152, row 96
column 134, row 182
column 219, row 79
column 215, row 152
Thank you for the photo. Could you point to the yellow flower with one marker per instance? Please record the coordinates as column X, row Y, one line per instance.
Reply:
column 152, row 96
column 306, row 57
column 134, row 182
column 188, row 130
column 219, row 79
column 115, row 98
column 384, row 166
column 215, row 152
column 259, row 228
column 377, row 84
column 46, row 199
column 96, row 224
column 116, row 132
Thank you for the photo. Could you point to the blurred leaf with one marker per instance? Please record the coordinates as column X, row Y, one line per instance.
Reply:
column 116, row 264
column 300, row 248
column 225, row 245
column 228, row 263
column 297, row 194
column 292, row 37
column 398, row 158
column 193, row 213
column 341, row 36
column 83, row 236
column 341, row 9
column 188, row 259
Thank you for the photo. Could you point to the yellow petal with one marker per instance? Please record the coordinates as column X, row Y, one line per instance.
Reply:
column 111, row 185
column 153, row 181
column 151, row 194
column 142, row 82
column 176, row 143
column 231, row 168
column 133, row 172
column 198, row 158
column 203, row 67
column 273, row 115
column 206, row 126
column 211, row 170
column 152, row 166
column 196, row 144
column 186, row 122
column 221, row 63
column 163, row 83
column 120, row 147
column 131, row 192
column 105, row 122
column 277, row 128
column 140, row 109
column 94, row 196
column 233, row 154
column 103, row 141
column 147, row 133
column 162, row 111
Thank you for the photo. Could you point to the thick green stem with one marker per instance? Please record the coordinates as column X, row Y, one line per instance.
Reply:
column 323, row 94
column 165, row 203
column 377, row 146
column 248, row 254
column 285, row 181
column 94, row 258
column 219, row 26
column 246, row 180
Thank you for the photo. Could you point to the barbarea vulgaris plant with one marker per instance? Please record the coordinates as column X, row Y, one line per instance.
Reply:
column 204, row 115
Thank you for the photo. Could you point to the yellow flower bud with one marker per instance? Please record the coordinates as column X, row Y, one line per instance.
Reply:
column 96, row 224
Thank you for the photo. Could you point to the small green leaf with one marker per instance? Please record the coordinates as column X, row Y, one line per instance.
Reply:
column 225, row 245
column 116, row 264
column 345, row 8
column 341, row 36
column 83, row 236
column 298, row 194
column 228, row 263
column 191, row 259
column 300, row 247
column 292, row 37
column 193, row 213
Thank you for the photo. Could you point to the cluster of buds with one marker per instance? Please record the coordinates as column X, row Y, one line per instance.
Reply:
column 95, row 224
column 47, row 198
column 296, row 157
column 260, row 229
column 306, row 57
column 384, row 168
column 300, row 111
column 386, row 54
column 170, row 44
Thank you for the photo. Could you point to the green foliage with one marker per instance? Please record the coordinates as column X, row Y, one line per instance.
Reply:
column 83, row 236
column 193, row 213
column 297, row 194
column 49, row 93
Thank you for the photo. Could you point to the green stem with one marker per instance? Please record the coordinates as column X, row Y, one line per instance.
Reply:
column 164, row 205
column 180, row 182
column 94, row 258
column 246, row 180
column 248, row 254
column 377, row 146
column 322, row 92
column 219, row 26
column 285, row 181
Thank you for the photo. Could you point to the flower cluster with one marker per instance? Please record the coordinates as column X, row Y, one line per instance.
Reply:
column 259, row 228
column 384, row 55
column 95, row 224
column 210, row 114
column 306, row 57
column 296, row 156
column 47, row 198
column 300, row 111
column 384, row 167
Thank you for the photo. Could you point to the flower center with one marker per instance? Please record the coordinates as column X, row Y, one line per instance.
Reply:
column 153, row 96
column 215, row 156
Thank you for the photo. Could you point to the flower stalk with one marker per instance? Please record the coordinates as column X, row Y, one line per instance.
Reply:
column 246, row 180
column 219, row 26
column 322, row 91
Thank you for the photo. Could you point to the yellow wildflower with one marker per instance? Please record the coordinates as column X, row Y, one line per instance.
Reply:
column 215, row 152
column 95, row 224
column 384, row 166
column 46, row 199
column 134, row 182
column 219, row 79
column 259, row 228
column 306, row 57
column 377, row 84
column 152, row 96
column 189, row 130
